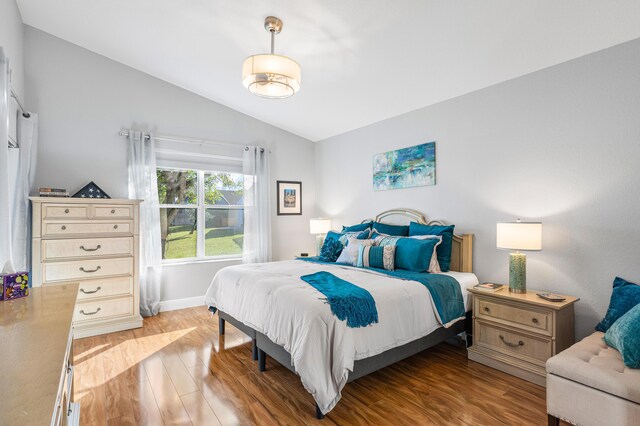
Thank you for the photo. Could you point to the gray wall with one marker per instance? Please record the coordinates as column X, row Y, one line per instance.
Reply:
column 561, row 145
column 11, row 39
column 83, row 99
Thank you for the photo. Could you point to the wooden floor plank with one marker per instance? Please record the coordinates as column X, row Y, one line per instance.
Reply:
column 178, row 369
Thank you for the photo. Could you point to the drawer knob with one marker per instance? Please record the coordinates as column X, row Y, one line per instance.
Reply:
column 115, row 226
column 510, row 344
column 64, row 227
column 89, row 313
column 66, row 210
column 89, row 270
column 113, row 211
column 91, row 292
column 534, row 320
column 91, row 249
column 486, row 309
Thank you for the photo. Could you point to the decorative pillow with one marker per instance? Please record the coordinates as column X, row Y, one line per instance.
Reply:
column 624, row 335
column 376, row 257
column 395, row 230
column 343, row 236
column 444, row 249
column 350, row 252
column 412, row 254
column 358, row 228
column 331, row 250
column 385, row 240
column 625, row 296
column 364, row 235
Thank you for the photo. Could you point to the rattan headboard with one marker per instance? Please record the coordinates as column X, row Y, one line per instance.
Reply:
column 462, row 250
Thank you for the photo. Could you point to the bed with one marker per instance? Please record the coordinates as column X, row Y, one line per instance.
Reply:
column 287, row 320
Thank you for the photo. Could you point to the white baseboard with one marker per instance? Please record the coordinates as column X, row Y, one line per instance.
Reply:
column 187, row 302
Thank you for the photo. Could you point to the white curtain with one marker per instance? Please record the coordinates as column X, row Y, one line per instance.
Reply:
column 143, row 185
column 6, row 255
column 257, row 218
column 27, row 158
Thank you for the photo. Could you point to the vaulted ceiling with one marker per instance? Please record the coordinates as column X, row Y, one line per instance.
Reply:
column 362, row 60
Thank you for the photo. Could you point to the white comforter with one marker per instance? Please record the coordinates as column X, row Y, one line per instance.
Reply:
column 272, row 299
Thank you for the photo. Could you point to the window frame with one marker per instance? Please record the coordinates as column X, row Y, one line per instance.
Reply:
column 201, row 209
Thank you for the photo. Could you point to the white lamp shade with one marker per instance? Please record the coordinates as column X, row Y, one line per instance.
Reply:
column 271, row 76
column 519, row 235
column 319, row 226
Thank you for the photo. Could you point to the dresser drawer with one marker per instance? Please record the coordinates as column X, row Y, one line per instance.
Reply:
column 86, row 247
column 104, row 309
column 86, row 269
column 107, row 287
column 512, row 342
column 75, row 229
column 113, row 212
column 531, row 319
column 53, row 211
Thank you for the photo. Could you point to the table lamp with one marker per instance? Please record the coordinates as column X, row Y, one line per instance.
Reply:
column 319, row 227
column 518, row 236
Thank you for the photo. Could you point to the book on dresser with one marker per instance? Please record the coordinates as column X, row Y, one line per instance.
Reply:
column 94, row 243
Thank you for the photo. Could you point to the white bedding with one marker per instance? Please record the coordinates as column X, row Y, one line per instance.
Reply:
column 272, row 299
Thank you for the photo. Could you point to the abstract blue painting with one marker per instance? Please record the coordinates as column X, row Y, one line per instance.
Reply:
column 405, row 168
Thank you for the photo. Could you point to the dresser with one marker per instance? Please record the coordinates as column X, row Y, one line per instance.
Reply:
column 517, row 333
column 36, row 345
column 94, row 243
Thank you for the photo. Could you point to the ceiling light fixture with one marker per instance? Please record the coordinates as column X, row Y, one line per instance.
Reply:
column 270, row 75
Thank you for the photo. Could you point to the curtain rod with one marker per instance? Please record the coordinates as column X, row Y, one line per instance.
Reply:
column 125, row 133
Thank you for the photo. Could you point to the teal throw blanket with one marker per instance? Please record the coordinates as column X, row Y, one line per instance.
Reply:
column 446, row 295
column 347, row 301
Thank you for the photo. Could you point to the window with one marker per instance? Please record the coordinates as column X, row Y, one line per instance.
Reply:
column 201, row 213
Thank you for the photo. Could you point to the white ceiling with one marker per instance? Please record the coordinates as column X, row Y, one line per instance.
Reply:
column 362, row 60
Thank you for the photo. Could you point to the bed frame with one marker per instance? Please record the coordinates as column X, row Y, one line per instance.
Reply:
column 461, row 261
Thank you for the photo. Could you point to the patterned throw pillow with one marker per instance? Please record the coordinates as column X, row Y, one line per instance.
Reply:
column 350, row 253
column 331, row 250
column 376, row 257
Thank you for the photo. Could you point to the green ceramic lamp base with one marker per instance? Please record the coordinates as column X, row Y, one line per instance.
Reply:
column 517, row 273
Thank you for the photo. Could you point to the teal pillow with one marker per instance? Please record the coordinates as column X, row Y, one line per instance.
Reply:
column 331, row 250
column 380, row 257
column 624, row 335
column 444, row 249
column 414, row 255
column 625, row 295
column 394, row 230
column 358, row 228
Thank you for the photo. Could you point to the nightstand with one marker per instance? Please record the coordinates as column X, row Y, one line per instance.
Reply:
column 517, row 333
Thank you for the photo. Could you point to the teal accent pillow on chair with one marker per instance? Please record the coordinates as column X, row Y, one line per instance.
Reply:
column 444, row 249
column 625, row 295
column 624, row 335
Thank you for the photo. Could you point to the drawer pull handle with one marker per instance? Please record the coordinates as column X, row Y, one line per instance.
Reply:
column 64, row 227
column 66, row 210
column 534, row 320
column 115, row 226
column 89, row 313
column 486, row 309
column 98, row 247
column 91, row 292
column 513, row 345
column 113, row 211
column 89, row 270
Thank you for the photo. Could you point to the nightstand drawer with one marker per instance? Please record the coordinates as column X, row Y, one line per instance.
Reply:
column 525, row 317
column 512, row 342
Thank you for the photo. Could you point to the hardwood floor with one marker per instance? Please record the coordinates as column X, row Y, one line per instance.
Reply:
column 178, row 370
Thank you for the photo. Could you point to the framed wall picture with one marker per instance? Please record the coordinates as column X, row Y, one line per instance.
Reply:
column 289, row 198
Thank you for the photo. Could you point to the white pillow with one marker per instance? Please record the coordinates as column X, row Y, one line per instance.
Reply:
column 350, row 252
